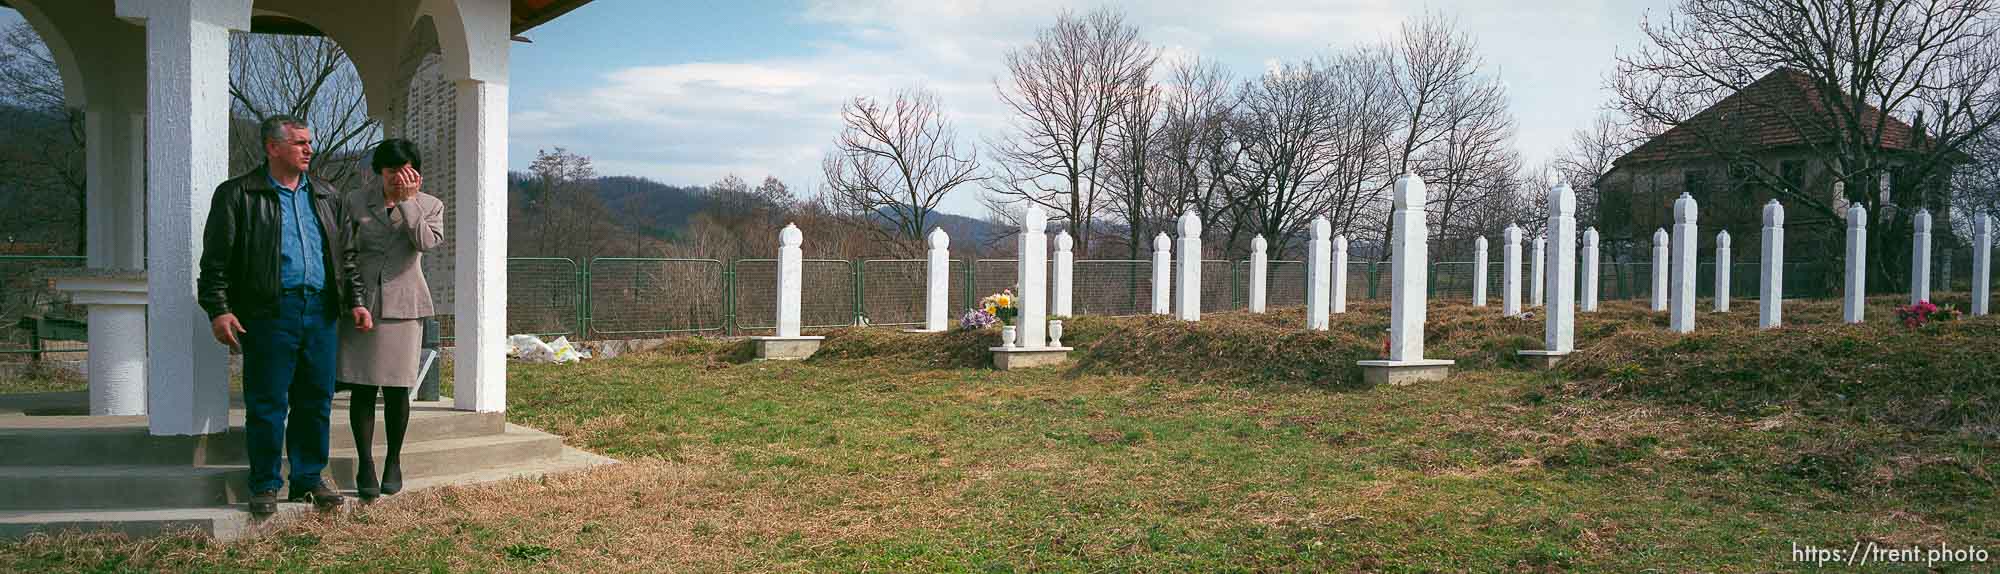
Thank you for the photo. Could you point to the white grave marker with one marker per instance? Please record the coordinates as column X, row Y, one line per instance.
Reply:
column 791, row 281
column 1722, row 271
column 1559, row 327
column 1510, row 268
column 1188, row 302
column 1589, row 270
column 1064, row 270
column 1920, row 259
column 1408, row 271
column 1684, row 262
column 1771, row 289
column 1260, row 265
column 1339, row 273
column 1982, row 262
column 1536, row 296
column 1479, row 272
column 1319, row 275
column 1854, row 302
column 938, row 288
column 1163, row 256
column 1660, row 270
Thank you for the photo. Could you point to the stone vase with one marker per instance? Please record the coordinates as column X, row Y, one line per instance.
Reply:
column 1007, row 336
column 1055, row 333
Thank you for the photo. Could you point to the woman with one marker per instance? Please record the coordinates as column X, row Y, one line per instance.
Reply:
column 391, row 230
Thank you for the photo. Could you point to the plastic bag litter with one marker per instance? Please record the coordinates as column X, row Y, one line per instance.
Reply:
column 531, row 349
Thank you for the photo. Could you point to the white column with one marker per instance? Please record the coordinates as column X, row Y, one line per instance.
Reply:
column 1536, row 257
column 1510, row 267
column 481, row 241
column 937, row 293
column 1589, row 270
column 1339, row 273
column 791, row 280
column 1854, row 302
column 1479, row 272
column 187, row 155
column 1920, row 259
column 1660, row 268
column 1064, row 266
column 1982, row 261
column 1408, row 252
column 1030, row 301
column 1319, row 275
column 1559, row 332
column 117, row 302
column 1684, row 261
column 1260, row 265
column 1163, row 256
column 1722, row 271
column 1771, row 287
column 1188, row 300
column 115, row 194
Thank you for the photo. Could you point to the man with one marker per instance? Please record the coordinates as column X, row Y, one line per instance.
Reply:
column 275, row 272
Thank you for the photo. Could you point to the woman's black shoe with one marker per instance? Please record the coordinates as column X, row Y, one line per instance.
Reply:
column 392, row 478
column 365, row 485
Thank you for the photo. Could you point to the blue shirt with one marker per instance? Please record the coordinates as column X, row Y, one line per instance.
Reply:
column 301, row 253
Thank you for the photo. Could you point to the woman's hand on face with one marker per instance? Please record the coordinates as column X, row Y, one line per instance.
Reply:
column 409, row 181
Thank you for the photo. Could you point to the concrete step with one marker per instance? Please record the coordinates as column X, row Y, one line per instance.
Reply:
column 517, row 445
column 68, row 487
column 54, row 441
column 230, row 522
column 119, row 486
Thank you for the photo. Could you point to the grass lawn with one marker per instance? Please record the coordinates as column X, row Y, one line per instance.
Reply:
column 1239, row 443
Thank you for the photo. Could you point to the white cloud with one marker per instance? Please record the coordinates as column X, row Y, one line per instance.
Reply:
column 693, row 122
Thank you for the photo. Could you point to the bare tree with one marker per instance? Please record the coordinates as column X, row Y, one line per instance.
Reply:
column 1136, row 154
column 1194, row 148
column 1864, row 64
column 43, row 155
column 1288, row 126
column 1065, row 90
column 308, row 77
column 894, row 164
column 1589, row 155
column 1455, row 125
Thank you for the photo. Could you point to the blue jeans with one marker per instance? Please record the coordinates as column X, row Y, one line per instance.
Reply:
column 288, row 365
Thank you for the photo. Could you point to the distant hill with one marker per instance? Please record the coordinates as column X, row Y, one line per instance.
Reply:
column 649, row 207
column 663, row 211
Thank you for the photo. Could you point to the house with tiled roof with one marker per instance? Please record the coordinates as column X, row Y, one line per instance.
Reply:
column 1732, row 155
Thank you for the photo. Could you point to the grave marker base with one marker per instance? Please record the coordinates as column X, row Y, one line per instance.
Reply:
column 786, row 348
column 1543, row 359
column 1398, row 373
column 1010, row 358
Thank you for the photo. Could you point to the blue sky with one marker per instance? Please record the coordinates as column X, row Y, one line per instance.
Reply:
column 686, row 92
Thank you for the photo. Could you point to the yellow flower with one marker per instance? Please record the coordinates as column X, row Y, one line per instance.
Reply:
column 989, row 309
column 1006, row 301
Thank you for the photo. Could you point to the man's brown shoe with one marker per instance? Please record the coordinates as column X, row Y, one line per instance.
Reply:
column 322, row 497
column 263, row 503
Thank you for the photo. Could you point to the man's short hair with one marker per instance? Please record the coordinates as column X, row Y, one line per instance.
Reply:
column 273, row 127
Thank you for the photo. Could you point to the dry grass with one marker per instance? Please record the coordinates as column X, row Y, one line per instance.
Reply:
column 1239, row 443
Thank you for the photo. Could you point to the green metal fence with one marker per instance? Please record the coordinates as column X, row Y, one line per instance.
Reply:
column 615, row 297
column 25, row 293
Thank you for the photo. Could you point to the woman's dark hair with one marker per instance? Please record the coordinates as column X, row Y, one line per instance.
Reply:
column 394, row 153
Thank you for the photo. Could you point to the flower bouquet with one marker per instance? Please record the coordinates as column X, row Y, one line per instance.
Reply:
column 1001, row 306
column 1923, row 312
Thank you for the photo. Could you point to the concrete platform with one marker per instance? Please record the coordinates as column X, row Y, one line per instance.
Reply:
column 1010, row 358
column 1543, row 359
column 1398, row 373
column 107, row 473
column 786, row 348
